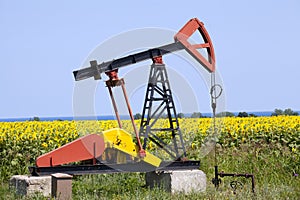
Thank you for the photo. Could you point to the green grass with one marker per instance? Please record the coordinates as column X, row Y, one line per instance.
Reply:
column 274, row 167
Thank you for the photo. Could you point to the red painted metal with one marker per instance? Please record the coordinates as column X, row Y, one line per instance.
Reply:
column 188, row 30
column 84, row 148
column 157, row 60
column 113, row 74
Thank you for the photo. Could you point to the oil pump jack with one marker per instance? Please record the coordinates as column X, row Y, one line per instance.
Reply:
column 98, row 148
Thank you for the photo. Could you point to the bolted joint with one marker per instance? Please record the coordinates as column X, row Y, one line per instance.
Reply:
column 157, row 60
column 113, row 74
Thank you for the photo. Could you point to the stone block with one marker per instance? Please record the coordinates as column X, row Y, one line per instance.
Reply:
column 61, row 186
column 28, row 185
column 186, row 181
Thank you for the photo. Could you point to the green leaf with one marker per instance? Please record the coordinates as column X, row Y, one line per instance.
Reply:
column 13, row 162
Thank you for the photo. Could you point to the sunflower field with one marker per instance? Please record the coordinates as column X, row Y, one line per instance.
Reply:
column 22, row 142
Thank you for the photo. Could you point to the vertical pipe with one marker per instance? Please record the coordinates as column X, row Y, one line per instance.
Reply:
column 253, row 183
column 216, row 179
column 94, row 159
column 51, row 163
column 114, row 105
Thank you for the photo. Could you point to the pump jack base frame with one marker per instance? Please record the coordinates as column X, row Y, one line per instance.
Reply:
column 114, row 168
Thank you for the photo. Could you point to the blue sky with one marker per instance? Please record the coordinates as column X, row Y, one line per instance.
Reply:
column 42, row 42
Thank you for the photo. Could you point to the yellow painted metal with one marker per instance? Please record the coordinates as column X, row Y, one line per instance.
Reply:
column 121, row 140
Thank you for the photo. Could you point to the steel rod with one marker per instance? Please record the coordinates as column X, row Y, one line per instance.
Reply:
column 114, row 168
column 95, row 71
column 115, row 106
column 142, row 152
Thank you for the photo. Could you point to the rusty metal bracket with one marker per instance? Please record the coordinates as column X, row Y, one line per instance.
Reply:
column 234, row 184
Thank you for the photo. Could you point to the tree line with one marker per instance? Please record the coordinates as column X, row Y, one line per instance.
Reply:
column 276, row 112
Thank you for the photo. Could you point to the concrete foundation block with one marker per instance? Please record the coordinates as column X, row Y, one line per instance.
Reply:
column 186, row 181
column 61, row 186
column 27, row 185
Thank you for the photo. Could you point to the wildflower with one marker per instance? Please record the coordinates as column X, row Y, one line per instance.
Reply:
column 45, row 145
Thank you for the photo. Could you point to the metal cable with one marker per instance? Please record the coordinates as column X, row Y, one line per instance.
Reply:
column 214, row 96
